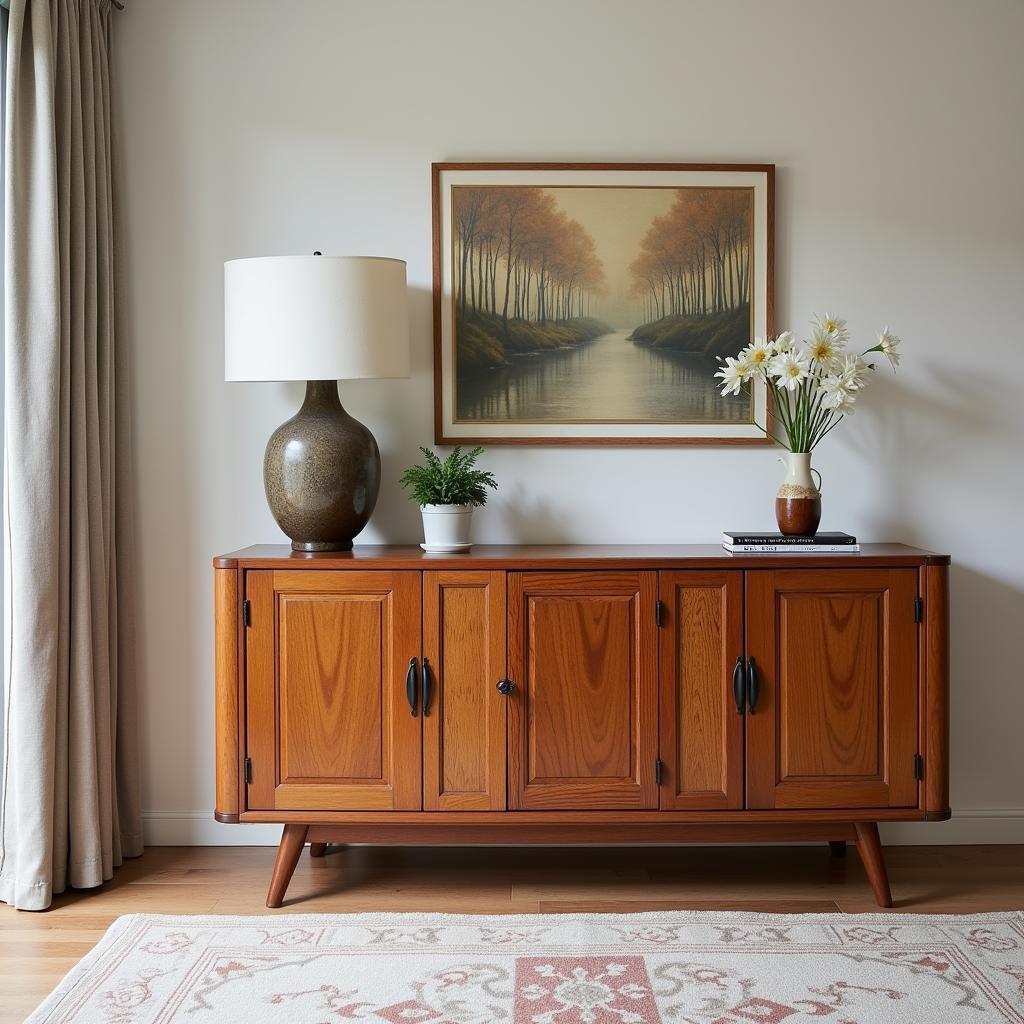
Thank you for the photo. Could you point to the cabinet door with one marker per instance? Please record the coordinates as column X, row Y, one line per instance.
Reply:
column 463, row 714
column 329, row 725
column 701, row 730
column 583, row 716
column 835, row 722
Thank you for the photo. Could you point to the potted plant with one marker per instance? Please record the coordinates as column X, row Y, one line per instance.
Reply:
column 813, row 386
column 447, row 492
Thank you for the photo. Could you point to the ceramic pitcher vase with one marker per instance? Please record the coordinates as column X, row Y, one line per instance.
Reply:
column 798, row 500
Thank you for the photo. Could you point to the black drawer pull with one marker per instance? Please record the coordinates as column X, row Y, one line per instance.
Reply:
column 425, row 676
column 751, row 685
column 410, row 686
column 738, row 685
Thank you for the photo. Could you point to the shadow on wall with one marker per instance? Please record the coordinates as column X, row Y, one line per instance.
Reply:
column 985, row 621
column 906, row 428
column 392, row 409
column 525, row 515
column 948, row 440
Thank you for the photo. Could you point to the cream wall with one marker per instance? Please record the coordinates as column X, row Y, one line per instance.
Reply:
column 258, row 127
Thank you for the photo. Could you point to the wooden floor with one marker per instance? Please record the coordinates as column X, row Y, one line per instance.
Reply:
column 36, row 950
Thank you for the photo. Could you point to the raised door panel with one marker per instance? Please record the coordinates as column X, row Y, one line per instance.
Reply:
column 329, row 725
column 583, row 716
column 701, row 730
column 465, row 716
column 836, row 719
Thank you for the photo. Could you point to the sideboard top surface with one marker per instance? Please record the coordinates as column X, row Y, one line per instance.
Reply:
column 570, row 556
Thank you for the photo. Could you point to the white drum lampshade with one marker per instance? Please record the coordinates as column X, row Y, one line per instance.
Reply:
column 320, row 319
column 315, row 318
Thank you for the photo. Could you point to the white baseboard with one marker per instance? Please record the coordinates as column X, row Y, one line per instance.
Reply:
column 973, row 826
column 198, row 828
column 977, row 825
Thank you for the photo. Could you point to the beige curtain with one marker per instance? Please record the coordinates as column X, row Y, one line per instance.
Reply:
column 69, row 806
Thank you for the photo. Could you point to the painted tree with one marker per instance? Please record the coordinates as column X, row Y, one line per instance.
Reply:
column 520, row 255
column 470, row 208
column 695, row 258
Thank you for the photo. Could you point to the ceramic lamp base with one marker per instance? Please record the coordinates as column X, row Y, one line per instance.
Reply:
column 321, row 472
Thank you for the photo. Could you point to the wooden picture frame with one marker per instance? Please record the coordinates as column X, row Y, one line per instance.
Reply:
column 516, row 356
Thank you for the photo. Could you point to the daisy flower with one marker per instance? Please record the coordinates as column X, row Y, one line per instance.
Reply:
column 853, row 371
column 838, row 393
column 825, row 347
column 888, row 343
column 832, row 324
column 822, row 374
column 733, row 374
column 789, row 369
column 758, row 353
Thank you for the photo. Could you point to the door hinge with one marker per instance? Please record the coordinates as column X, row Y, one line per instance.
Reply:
column 247, row 770
column 918, row 767
column 659, row 613
column 919, row 609
column 657, row 771
column 246, row 612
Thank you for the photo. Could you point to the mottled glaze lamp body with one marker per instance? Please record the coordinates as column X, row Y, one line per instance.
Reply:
column 319, row 319
column 321, row 472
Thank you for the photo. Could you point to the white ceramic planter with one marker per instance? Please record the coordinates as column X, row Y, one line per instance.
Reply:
column 446, row 527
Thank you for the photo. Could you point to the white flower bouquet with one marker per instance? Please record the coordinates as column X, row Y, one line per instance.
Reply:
column 813, row 384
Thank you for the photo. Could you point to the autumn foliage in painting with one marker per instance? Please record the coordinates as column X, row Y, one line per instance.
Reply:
column 693, row 273
column 525, row 273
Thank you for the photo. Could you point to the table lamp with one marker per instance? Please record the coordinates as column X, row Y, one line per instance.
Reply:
column 320, row 319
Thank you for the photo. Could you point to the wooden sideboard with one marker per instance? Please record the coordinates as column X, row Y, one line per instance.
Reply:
column 613, row 694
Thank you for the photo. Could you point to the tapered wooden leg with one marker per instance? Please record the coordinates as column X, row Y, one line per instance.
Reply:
column 869, row 846
column 318, row 849
column 838, row 847
column 293, row 839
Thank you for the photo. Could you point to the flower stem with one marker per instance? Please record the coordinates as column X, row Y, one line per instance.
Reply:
column 819, row 417
column 831, row 427
column 785, row 413
column 765, row 427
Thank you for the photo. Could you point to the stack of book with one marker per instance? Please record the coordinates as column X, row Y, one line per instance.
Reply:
column 815, row 543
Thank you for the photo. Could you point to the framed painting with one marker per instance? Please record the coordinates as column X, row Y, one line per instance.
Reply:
column 588, row 303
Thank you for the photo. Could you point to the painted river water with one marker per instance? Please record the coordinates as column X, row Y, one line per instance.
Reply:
column 606, row 380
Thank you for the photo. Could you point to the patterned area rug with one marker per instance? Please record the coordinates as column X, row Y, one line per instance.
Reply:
column 676, row 968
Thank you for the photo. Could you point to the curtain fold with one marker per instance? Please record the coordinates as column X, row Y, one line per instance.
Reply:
column 69, row 804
